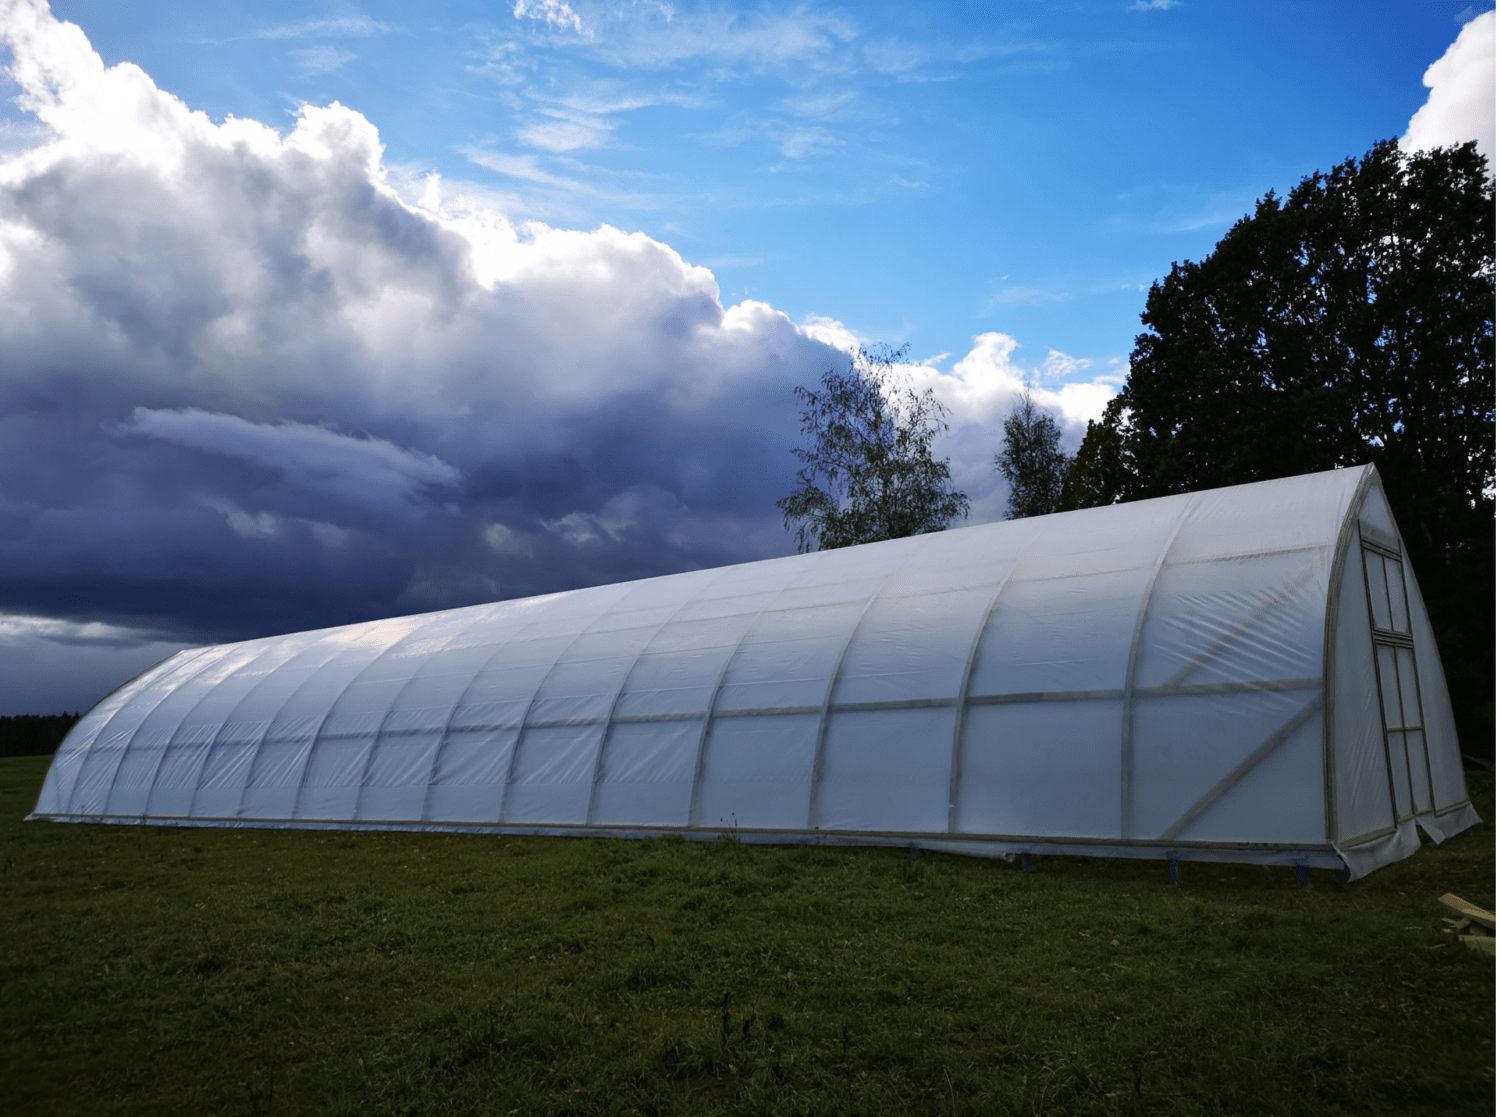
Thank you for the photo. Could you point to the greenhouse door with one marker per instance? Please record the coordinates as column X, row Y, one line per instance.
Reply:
column 1400, row 693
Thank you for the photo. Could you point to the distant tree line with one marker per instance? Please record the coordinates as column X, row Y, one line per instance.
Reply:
column 1352, row 321
column 34, row 734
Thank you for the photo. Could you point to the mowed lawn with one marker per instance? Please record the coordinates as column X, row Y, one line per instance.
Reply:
column 252, row 971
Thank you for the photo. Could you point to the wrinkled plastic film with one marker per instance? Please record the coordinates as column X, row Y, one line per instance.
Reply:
column 991, row 683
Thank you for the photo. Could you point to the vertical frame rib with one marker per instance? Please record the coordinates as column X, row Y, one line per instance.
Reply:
column 584, row 630
column 385, row 719
column 816, row 783
column 1411, row 791
column 463, row 697
column 264, row 733
column 447, row 731
column 614, row 705
column 228, row 719
column 960, row 713
column 695, row 797
column 114, row 775
column 172, row 740
column 1385, row 737
column 125, row 695
column 1345, row 545
column 327, row 713
column 1416, row 675
column 1127, row 701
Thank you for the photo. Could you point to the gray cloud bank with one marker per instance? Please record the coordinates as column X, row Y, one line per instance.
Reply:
column 248, row 385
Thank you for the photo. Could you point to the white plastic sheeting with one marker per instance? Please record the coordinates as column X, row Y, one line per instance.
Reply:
column 1243, row 674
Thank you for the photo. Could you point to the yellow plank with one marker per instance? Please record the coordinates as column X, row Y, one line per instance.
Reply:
column 1463, row 907
column 1485, row 944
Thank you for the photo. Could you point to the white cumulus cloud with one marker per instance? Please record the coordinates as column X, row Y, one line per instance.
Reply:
column 255, row 347
column 256, row 379
column 1460, row 102
column 981, row 389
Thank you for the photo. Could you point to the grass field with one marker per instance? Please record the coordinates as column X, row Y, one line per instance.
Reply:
column 254, row 971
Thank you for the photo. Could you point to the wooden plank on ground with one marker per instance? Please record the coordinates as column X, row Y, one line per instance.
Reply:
column 1464, row 908
column 1485, row 944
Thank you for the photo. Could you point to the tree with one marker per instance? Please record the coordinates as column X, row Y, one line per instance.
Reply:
column 1031, row 461
column 1098, row 473
column 1351, row 322
column 868, row 473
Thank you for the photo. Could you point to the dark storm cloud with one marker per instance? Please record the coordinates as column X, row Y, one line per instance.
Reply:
column 249, row 386
column 246, row 387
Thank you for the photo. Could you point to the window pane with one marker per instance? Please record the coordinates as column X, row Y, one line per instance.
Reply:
column 1390, row 690
column 1395, row 744
column 1396, row 584
column 1416, row 759
column 1380, row 606
column 1406, row 672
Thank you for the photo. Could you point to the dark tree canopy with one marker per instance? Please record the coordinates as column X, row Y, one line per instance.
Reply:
column 1351, row 322
column 1099, row 472
column 868, row 472
column 1031, row 460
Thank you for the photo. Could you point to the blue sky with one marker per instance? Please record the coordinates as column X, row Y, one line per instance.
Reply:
column 922, row 173
column 312, row 314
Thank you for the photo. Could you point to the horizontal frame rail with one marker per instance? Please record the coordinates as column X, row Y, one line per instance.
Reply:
column 1185, row 690
column 606, row 829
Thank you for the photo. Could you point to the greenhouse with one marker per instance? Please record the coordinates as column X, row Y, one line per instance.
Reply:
column 1243, row 674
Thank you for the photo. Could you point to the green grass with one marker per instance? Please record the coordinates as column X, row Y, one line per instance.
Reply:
column 243, row 971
